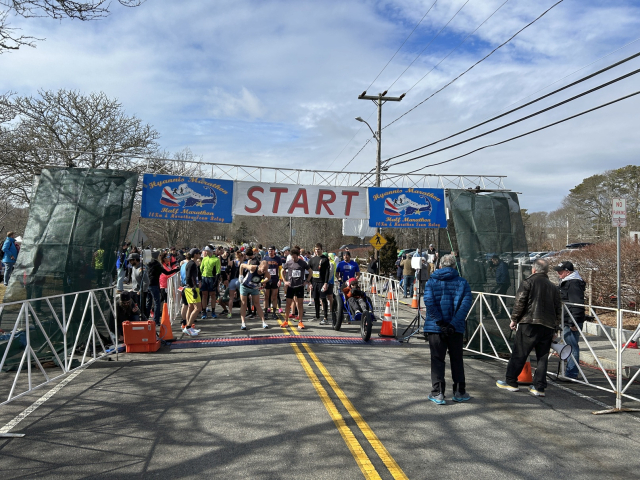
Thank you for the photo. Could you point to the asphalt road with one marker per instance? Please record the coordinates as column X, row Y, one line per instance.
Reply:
column 307, row 412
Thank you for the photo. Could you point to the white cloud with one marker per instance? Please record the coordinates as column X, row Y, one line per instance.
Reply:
column 245, row 104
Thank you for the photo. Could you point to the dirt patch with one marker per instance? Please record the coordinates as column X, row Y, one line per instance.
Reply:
column 2, row 290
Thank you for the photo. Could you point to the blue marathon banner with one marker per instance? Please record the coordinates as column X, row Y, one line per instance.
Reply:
column 407, row 208
column 175, row 197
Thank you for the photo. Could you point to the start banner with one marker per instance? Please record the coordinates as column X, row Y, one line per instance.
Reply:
column 281, row 200
column 407, row 208
column 175, row 197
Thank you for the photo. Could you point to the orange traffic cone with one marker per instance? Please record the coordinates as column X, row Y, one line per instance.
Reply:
column 390, row 296
column 373, row 288
column 165, row 327
column 525, row 376
column 414, row 302
column 387, row 325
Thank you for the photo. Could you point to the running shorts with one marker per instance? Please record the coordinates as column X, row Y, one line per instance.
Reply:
column 192, row 295
column 297, row 292
column 209, row 284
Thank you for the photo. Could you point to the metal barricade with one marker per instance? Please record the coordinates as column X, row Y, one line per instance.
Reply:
column 610, row 342
column 29, row 322
column 174, row 297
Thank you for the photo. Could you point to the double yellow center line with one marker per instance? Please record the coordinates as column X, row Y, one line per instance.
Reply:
column 362, row 459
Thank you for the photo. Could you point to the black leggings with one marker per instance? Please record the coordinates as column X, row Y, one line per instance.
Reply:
column 319, row 295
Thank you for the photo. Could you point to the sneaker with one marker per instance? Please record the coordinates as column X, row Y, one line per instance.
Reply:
column 311, row 303
column 279, row 310
column 185, row 330
column 324, row 322
column 204, row 316
column 439, row 399
column 267, row 310
column 284, row 324
column 193, row 332
column 506, row 386
column 461, row 397
column 630, row 345
column 213, row 315
column 243, row 327
column 301, row 326
column 264, row 325
column 534, row 391
column 229, row 315
column 274, row 316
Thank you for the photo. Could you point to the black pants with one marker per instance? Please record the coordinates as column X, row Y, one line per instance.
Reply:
column 528, row 337
column 500, row 289
column 439, row 344
column 357, row 305
column 319, row 295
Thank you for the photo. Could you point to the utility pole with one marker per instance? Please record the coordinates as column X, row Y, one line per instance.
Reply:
column 379, row 100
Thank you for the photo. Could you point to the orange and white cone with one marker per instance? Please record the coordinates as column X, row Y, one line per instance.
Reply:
column 373, row 288
column 387, row 324
column 525, row 376
column 390, row 296
column 414, row 302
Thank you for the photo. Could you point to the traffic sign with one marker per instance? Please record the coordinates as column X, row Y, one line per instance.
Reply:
column 378, row 241
column 619, row 212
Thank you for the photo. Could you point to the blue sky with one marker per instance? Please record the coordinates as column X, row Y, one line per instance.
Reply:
column 275, row 83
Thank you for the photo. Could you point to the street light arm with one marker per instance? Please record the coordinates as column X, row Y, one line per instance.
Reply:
column 360, row 119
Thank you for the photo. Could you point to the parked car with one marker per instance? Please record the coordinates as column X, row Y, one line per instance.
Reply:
column 574, row 246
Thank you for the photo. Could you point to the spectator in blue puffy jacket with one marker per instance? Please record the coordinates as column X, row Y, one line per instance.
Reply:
column 448, row 299
column 10, row 256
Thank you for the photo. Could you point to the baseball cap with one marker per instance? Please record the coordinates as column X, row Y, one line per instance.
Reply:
column 134, row 256
column 430, row 245
column 271, row 247
column 125, row 296
column 564, row 266
column 207, row 249
column 194, row 251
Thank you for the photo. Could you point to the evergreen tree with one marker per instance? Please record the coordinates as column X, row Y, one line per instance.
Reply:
column 388, row 255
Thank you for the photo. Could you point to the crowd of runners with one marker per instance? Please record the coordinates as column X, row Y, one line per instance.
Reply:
column 216, row 281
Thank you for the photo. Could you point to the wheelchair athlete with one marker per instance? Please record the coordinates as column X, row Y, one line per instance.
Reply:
column 357, row 300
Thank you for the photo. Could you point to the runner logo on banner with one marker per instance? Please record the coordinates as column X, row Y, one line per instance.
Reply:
column 407, row 208
column 172, row 197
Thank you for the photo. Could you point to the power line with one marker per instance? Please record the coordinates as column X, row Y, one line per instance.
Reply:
column 583, row 79
column 354, row 157
column 427, row 46
column 405, row 41
column 477, row 63
column 527, row 133
column 463, row 40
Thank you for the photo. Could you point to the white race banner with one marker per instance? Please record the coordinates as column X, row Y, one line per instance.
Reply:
column 283, row 200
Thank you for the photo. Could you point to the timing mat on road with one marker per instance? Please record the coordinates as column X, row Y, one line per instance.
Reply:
column 272, row 339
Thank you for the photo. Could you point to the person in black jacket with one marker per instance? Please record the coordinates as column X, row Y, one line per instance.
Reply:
column 536, row 316
column 502, row 281
column 572, row 288
column 154, row 270
column 321, row 271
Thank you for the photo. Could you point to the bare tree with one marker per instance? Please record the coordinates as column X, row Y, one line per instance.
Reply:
column 11, row 39
column 68, row 129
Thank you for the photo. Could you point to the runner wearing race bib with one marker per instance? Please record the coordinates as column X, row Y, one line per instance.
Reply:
column 321, row 271
column 347, row 269
column 292, row 274
column 253, row 274
column 274, row 263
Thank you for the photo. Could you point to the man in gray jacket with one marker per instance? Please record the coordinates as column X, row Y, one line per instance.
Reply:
column 536, row 316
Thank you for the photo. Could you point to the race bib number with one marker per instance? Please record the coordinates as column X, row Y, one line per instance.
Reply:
column 273, row 271
column 296, row 273
column 223, row 268
column 347, row 268
column 316, row 274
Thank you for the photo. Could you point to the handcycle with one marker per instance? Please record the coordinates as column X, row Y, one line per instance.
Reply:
column 341, row 308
